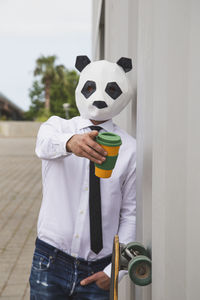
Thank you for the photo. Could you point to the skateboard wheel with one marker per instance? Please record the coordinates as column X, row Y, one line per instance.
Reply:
column 139, row 269
column 136, row 247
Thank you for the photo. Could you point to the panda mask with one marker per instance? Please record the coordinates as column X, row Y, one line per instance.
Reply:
column 103, row 89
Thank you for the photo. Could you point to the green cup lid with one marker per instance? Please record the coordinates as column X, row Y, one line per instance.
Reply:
column 109, row 139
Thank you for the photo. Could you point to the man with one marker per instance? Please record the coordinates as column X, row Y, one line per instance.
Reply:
column 71, row 261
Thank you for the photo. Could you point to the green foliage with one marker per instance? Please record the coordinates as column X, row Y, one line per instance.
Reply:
column 43, row 115
column 36, row 93
column 62, row 84
column 63, row 91
column 45, row 66
column 3, row 118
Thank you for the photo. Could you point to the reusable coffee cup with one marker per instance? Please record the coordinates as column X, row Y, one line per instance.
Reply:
column 111, row 143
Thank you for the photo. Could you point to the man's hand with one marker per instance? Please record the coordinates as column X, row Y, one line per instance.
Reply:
column 84, row 145
column 100, row 278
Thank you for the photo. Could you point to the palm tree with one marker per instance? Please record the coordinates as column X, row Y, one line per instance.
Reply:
column 45, row 67
column 56, row 85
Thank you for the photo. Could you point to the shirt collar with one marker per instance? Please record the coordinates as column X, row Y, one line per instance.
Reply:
column 107, row 126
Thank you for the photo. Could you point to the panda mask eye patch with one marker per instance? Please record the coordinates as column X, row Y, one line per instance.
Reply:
column 113, row 90
column 89, row 88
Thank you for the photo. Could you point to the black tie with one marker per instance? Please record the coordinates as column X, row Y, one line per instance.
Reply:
column 96, row 240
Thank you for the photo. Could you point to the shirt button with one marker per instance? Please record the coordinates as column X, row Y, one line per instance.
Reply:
column 77, row 236
column 86, row 188
column 81, row 212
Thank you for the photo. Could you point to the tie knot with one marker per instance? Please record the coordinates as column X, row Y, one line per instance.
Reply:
column 98, row 128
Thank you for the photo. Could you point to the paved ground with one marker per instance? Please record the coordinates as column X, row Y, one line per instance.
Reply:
column 20, row 199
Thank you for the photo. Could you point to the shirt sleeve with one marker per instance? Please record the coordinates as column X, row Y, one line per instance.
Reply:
column 107, row 271
column 51, row 140
column 127, row 223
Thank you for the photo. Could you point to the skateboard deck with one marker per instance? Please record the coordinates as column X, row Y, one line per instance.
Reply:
column 115, row 270
column 132, row 257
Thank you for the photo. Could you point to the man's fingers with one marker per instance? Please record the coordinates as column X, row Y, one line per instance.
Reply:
column 91, row 142
column 93, row 153
column 89, row 279
column 93, row 134
column 101, row 279
column 96, row 147
column 85, row 154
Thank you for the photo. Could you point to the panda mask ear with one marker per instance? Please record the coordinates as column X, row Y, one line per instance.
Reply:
column 125, row 63
column 81, row 62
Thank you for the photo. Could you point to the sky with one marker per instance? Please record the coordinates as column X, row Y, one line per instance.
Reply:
column 30, row 28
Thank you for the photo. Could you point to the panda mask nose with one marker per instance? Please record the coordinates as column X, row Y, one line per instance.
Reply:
column 100, row 104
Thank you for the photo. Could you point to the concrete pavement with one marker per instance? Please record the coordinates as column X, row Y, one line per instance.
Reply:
column 20, row 199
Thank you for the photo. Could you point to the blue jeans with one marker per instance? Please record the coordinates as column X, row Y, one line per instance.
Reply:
column 56, row 275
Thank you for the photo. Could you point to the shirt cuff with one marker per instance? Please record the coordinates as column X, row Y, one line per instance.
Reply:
column 64, row 139
column 107, row 271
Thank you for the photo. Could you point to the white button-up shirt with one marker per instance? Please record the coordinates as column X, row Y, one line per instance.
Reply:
column 64, row 214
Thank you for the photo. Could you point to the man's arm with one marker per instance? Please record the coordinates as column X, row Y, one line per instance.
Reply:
column 53, row 143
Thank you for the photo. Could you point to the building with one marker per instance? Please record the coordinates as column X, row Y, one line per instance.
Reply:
column 9, row 110
column 163, row 39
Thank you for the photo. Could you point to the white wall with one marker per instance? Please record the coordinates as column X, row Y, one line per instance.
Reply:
column 144, row 132
column 176, row 164
column 19, row 128
column 163, row 36
column 169, row 78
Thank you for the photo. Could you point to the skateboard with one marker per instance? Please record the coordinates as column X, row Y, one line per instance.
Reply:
column 132, row 257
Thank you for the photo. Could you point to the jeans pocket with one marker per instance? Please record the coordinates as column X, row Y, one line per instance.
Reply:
column 41, row 262
column 98, row 287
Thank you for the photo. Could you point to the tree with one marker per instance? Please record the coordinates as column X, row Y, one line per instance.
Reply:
column 36, row 93
column 62, row 91
column 55, row 86
column 45, row 67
